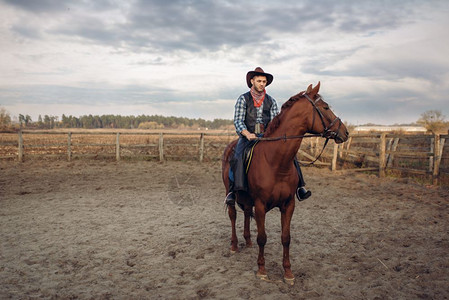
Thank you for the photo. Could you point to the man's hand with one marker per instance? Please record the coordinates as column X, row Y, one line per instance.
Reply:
column 250, row 136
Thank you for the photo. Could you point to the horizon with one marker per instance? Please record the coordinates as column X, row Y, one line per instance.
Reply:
column 15, row 119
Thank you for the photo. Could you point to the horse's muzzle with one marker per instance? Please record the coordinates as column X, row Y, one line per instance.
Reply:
column 341, row 139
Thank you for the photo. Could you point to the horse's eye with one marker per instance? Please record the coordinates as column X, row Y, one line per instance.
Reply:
column 326, row 107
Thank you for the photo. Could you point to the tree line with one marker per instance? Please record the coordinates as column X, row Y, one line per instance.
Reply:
column 112, row 121
column 141, row 121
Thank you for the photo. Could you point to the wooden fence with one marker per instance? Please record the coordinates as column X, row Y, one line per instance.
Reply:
column 414, row 154
column 422, row 154
column 154, row 141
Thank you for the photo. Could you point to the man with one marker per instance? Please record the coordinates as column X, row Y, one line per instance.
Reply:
column 253, row 112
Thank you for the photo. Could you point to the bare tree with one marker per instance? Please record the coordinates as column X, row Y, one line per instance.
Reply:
column 5, row 118
column 433, row 120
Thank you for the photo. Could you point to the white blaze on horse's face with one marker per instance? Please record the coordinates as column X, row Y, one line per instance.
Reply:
column 259, row 83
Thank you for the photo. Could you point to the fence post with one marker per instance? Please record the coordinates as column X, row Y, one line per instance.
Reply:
column 391, row 155
column 20, row 152
column 117, row 147
column 312, row 146
column 344, row 155
column 334, row 157
column 201, row 147
column 434, row 151
column 388, row 148
column 382, row 151
column 69, row 146
column 161, row 146
column 438, row 152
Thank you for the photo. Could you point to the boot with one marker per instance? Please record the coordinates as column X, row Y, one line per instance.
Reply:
column 230, row 197
column 302, row 193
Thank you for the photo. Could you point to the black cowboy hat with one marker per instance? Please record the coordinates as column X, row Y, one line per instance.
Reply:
column 258, row 72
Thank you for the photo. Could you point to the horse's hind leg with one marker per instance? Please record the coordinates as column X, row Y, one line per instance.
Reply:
column 233, row 216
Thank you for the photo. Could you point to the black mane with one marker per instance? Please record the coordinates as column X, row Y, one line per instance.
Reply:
column 274, row 124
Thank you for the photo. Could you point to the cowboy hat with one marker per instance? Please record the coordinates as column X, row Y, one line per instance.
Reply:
column 258, row 72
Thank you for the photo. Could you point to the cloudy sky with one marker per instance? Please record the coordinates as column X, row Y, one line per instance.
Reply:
column 383, row 62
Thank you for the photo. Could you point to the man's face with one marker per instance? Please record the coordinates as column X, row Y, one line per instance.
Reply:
column 259, row 83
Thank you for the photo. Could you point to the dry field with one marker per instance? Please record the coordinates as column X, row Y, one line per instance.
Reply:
column 97, row 229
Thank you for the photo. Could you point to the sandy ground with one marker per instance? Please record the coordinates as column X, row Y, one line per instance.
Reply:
column 148, row 230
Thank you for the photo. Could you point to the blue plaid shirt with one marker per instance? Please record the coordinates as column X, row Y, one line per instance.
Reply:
column 240, row 113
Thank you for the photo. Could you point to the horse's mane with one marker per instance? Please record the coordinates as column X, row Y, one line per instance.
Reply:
column 274, row 124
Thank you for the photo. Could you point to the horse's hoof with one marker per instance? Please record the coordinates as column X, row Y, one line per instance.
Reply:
column 263, row 277
column 289, row 281
column 233, row 251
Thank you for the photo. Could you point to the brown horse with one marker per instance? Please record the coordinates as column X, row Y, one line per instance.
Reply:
column 272, row 178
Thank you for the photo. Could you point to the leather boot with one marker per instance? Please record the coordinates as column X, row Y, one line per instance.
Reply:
column 230, row 197
column 302, row 193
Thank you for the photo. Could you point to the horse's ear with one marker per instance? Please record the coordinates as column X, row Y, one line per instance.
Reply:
column 314, row 91
column 309, row 89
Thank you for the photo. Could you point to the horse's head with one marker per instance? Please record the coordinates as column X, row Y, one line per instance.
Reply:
column 328, row 124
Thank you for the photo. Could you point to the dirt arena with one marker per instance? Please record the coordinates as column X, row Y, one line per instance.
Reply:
column 149, row 230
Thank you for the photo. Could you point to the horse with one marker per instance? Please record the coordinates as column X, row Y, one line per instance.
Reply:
column 272, row 177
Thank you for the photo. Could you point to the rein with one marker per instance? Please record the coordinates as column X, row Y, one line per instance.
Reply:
column 290, row 137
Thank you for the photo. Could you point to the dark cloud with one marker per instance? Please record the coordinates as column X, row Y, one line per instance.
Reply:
column 196, row 26
column 51, row 6
column 42, row 6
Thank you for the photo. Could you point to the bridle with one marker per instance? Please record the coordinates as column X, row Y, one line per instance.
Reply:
column 327, row 132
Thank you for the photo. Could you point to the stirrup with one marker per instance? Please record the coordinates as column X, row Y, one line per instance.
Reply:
column 230, row 199
column 302, row 193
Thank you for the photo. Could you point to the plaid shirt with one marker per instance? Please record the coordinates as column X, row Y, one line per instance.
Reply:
column 240, row 113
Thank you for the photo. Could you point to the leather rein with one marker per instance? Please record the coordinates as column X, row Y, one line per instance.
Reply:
column 327, row 132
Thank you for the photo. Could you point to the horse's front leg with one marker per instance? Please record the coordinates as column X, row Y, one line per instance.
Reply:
column 232, row 212
column 286, row 217
column 261, row 239
column 246, row 230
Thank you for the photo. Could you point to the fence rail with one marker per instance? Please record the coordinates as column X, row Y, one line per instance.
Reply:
column 416, row 154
